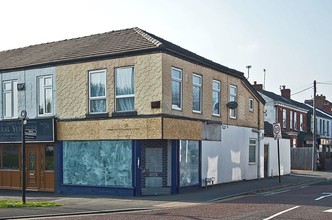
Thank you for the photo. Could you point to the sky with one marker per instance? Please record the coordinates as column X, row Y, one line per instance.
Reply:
column 290, row 39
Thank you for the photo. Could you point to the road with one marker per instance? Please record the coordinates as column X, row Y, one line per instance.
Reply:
column 301, row 202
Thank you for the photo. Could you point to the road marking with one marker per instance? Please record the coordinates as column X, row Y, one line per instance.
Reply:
column 329, row 210
column 322, row 197
column 279, row 213
column 274, row 193
column 302, row 187
column 175, row 204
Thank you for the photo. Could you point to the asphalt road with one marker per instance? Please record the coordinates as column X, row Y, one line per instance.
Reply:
column 301, row 202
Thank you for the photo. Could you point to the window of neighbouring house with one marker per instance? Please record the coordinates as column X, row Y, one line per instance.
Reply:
column 45, row 95
column 176, row 89
column 291, row 119
column 284, row 118
column 252, row 151
column 97, row 91
column 189, row 163
column 10, row 157
column 233, row 98
column 197, row 93
column 251, row 104
column 97, row 163
column 324, row 132
column 49, row 157
column 320, row 126
column 10, row 101
column 327, row 128
column 216, row 98
column 124, row 89
column 295, row 120
column 301, row 122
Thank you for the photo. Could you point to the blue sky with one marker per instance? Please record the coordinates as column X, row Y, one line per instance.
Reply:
column 291, row 39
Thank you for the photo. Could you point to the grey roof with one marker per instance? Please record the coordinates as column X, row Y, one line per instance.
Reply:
column 133, row 41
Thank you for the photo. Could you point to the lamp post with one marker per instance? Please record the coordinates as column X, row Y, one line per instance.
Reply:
column 24, row 122
column 248, row 67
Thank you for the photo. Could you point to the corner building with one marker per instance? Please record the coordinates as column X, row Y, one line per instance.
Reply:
column 138, row 115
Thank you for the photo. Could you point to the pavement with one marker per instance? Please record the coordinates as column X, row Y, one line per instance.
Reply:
column 93, row 204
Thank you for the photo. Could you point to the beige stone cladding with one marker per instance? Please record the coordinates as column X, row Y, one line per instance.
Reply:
column 72, row 85
column 110, row 129
column 245, row 117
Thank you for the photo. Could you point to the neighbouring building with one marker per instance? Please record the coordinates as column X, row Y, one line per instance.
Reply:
column 321, row 103
column 127, row 113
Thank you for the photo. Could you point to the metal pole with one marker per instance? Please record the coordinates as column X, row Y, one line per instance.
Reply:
column 279, row 160
column 24, row 121
column 313, row 165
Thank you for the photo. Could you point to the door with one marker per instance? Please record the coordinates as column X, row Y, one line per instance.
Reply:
column 266, row 160
column 33, row 166
column 155, row 171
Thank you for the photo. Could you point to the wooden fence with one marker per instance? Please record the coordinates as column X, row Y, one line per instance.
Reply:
column 301, row 158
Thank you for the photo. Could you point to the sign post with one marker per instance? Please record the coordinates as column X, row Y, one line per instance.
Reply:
column 277, row 136
column 24, row 122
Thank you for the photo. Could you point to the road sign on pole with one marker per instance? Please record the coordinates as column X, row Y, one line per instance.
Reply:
column 277, row 131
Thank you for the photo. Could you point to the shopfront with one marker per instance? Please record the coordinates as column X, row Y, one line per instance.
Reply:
column 40, row 155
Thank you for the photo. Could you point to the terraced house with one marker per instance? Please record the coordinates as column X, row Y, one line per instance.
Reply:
column 133, row 113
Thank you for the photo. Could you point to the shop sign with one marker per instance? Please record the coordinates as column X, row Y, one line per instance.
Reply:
column 39, row 130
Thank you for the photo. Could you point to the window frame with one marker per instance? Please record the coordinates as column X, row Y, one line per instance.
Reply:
column 251, row 104
column 199, row 86
column 301, row 122
column 97, row 97
column 291, row 119
column 43, row 89
column 233, row 112
column 252, row 146
column 13, row 99
column 178, row 80
column 284, row 118
column 127, row 95
column 218, row 91
column 295, row 121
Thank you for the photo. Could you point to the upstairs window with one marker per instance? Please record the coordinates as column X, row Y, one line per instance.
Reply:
column 197, row 93
column 176, row 89
column 284, row 118
column 295, row 120
column 97, row 91
column 327, row 128
column 233, row 98
column 251, row 104
column 10, row 101
column 291, row 120
column 301, row 122
column 124, row 89
column 45, row 95
column 216, row 98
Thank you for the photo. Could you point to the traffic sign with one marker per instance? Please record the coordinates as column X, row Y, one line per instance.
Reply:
column 277, row 131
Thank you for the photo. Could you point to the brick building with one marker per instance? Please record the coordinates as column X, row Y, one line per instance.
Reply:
column 134, row 115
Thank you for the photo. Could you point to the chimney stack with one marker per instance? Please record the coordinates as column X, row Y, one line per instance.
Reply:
column 258, row 87
column 285, row 92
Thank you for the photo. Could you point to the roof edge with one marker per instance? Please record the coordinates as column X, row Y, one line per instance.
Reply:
column 147, row 36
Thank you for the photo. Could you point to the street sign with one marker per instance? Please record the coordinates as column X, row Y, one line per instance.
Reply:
column 277, row 131
column 30, row 133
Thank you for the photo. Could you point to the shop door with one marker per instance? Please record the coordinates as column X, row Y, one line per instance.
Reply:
column 33, row 166
column 155, row 174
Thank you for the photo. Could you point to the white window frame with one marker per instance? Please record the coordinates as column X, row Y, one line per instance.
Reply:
column 251, row 104
column 284, row 118
column 215, row 90
column 295, row 121
column 97, row 97
column 233, row 112
column 252, row 146
column 199, row 86
column 42, row 89
column 128, row 95
column 291, row 119
column 179, row 80
column 13, row 108
column 301, row 122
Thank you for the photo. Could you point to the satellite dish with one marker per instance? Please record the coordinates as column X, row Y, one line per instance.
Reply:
column 232, row 105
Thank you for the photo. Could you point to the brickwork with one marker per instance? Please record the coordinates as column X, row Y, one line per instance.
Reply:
column 73, row 88
column 145, row 171
column 244, row 118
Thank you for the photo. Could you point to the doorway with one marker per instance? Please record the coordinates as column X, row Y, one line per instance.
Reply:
column 266, row 160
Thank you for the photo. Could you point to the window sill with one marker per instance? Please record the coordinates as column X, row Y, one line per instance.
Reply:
column 124, row 114
column 97, row 115
column 252, row 163
column 216, row 115
column 197, row 112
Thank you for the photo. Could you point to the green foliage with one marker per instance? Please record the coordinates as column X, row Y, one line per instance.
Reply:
column 19, row 204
